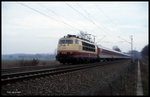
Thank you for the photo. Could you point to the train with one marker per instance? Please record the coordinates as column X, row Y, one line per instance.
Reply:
column 74, row 49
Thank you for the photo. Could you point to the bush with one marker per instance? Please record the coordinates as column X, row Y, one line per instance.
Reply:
column 33, row 62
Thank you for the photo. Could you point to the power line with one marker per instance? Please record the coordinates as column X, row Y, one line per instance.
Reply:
column 35, row 10
column 124, row 39
column 84, row 16
column 91, row 16
column 76, row 10
column 106, row 16
column 101, row 39
column 49, row 10
column 46, row 15
column 88, row 14
column 59, row 15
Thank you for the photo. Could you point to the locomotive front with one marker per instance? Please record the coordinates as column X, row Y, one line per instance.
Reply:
column 72, row 49
column 68, row 47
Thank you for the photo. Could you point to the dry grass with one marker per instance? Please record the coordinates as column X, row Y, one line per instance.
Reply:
column 144, row 75
column 125, row 84
column 10, row 64
column 20, row 63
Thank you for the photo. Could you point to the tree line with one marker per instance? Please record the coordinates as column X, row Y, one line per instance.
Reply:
column 145, row 51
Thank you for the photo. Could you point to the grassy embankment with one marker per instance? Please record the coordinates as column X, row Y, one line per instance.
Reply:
column 145, row 75
column 125, row 84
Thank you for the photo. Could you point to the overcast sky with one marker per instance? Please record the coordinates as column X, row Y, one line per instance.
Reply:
column 36, row 27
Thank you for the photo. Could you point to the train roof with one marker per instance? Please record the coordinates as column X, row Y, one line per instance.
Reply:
column 75, row 36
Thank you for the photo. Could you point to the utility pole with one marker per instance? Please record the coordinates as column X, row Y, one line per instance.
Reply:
column 131, row 48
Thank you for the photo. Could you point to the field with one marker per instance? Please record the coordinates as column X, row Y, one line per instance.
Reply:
column 10, row 63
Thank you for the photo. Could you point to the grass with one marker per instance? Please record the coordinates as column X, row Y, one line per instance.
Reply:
column 125, row 84
column 9, row 63
column 27, row 59
column 145, row 76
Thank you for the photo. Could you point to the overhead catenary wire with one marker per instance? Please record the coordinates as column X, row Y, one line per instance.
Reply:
column 57, row 15
column 47, row 15
column 106, row 16
column 84, row 16
column 101, row 39
column 109, row 19
column 88, row 14
column 124, row 39
column 92, row 18
column 88, row 17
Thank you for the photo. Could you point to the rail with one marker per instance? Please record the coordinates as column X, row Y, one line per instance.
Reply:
column 50, row 71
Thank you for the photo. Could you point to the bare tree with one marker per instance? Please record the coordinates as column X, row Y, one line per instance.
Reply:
column 116, row 48
column 87, row 36
column 145, row 51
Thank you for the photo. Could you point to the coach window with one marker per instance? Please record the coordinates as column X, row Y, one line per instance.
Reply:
column 77, row 42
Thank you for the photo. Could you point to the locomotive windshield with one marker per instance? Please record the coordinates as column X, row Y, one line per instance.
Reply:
column 66, row 42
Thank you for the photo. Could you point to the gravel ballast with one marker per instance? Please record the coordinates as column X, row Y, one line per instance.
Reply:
column 82, row 82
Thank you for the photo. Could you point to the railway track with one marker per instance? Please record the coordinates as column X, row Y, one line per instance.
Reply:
column 27, row 68
column 50, row 71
